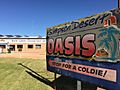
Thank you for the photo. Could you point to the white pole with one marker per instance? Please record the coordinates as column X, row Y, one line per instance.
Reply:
column 79, row 85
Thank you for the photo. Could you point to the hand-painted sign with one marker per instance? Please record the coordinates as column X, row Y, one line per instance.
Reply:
column 87, row 49
column 86, row 70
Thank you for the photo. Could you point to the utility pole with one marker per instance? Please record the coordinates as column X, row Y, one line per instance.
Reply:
column 118, row 3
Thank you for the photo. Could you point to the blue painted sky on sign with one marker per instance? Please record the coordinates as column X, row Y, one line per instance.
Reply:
column 32, row 17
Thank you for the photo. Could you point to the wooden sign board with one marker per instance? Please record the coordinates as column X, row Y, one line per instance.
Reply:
column 87, row 49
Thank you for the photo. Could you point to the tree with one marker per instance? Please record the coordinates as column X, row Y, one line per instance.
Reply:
column 108, row 37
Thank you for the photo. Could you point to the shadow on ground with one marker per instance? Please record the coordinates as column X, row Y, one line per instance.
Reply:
column 61, row 83
column 37, row 76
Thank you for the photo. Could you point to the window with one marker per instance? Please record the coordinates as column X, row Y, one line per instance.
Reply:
column 12, row 47
column 19, row 47
column 2, row 46
column 30, row 46
column 38, row 46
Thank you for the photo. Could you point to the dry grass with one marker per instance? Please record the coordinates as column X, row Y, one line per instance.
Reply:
column 15, row 77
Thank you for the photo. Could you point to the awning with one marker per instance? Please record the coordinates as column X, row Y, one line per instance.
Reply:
column 3, row 43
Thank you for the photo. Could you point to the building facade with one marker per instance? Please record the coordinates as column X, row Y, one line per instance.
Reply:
column 23, row 44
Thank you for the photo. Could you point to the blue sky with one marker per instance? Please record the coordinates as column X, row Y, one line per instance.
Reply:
column 32, row 17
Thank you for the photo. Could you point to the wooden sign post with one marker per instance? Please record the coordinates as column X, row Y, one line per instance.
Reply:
column 118, row 3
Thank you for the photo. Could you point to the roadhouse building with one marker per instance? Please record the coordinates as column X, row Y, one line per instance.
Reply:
column 25, row 45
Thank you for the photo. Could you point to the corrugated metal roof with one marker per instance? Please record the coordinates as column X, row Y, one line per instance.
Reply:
column 19, row 36
column 1, row 35
column 9, row 35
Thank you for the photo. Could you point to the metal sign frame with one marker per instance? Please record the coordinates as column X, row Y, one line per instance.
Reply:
column 87, row 49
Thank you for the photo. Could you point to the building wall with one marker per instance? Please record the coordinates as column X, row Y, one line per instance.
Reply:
column 31, row 47
column 25, row 48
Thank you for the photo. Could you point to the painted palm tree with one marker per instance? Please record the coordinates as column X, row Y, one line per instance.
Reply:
column 108, row 34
